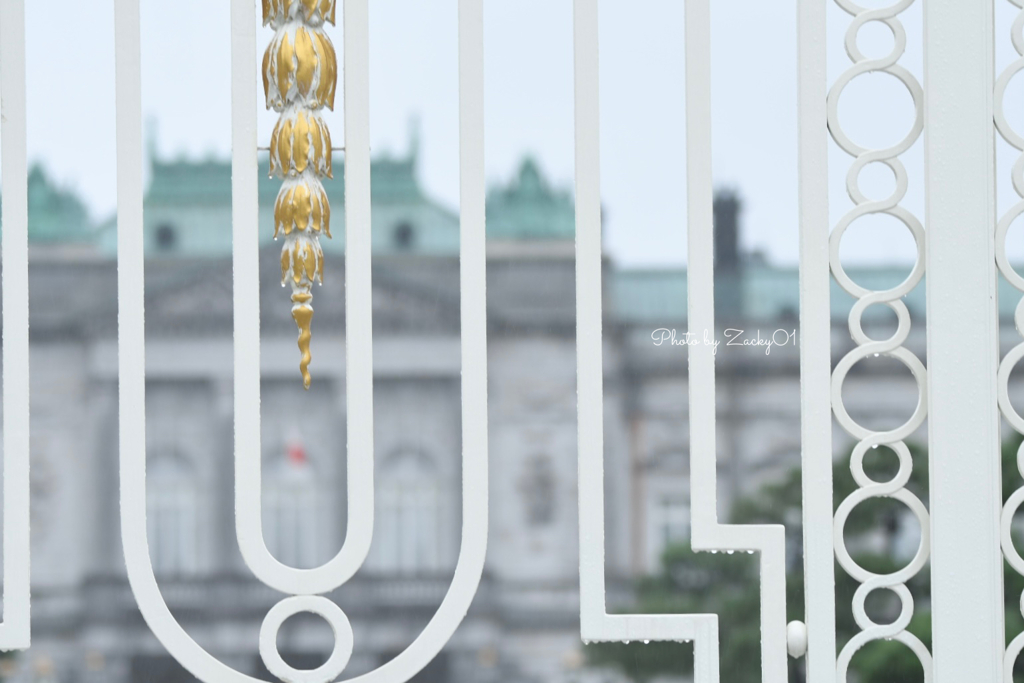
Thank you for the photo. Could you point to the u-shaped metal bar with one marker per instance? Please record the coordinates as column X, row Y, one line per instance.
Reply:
column 358, row 311
column 131, row 341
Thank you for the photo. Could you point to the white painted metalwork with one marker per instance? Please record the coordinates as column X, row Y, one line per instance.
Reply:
column 815, row 344
column 302, row 585
column 965, row 535
column 358, row 311
column 707, row 533
column 331, row 613
column 968, row 631
column 15, row 629
column 867, row 347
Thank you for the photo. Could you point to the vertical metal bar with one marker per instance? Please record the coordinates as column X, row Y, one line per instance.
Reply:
column 815, row 342
column 700, row 275
column 131, row 303
column 245, row 272
column 963, row 436
column 358, row 280
column 15, row 629
column 589, row 366
column 131, row 350
column 473, row 274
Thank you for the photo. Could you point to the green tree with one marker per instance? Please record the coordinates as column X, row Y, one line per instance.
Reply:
column 727, row 585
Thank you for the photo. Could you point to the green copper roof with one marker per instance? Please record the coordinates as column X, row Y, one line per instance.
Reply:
column 649, row 296
column 55, row 214
column 188, row 213
column 209, row 182
column 529, row 209
column 188, row 209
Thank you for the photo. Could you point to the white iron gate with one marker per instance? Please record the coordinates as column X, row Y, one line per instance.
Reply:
column 965, row 529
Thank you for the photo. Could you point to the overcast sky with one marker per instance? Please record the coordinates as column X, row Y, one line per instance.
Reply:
column 529, row 108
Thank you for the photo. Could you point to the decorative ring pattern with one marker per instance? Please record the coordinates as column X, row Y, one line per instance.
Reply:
column 1010, row 360
column 866, row 347
column 331, row 613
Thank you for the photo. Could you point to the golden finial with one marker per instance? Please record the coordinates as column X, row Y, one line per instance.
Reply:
column 300, row 75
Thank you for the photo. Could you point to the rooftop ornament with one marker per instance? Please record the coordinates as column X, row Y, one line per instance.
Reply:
column 300, row 75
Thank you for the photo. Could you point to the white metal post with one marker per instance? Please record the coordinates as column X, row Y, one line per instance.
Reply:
column 815, row 342
column 963, row 438
column 15, row 629
column 589, row 365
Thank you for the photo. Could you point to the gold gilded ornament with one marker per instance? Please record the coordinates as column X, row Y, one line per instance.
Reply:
column 312, row 12
column 300, row 67
column 300, row 77
column 300, row 139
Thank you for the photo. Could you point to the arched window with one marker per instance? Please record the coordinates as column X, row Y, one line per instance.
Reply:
column 407, row 537
column 171, row 510
column 669, row 523
column 403, row 236
column 667, row 504
column 166, row 237
column 291, row 509
column 537, row 486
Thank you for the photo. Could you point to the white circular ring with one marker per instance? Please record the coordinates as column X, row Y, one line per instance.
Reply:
column 1012, row 652
column 902, row 322
column 835, row 242
column 859, row 69
column 879, row 12
column 1003, row 387
column 332, row 614
column 900, row 181
column 1002, row 228
column 1013, row 558
column 864, row 637
column 1002, row 123
column 893, row 484
column 850, row 565
column 916, row 368
column 866, row 623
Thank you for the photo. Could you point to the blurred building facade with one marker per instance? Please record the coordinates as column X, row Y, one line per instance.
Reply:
column 523, row 625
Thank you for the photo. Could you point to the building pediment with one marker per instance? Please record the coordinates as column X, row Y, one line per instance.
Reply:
column 196, row 297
